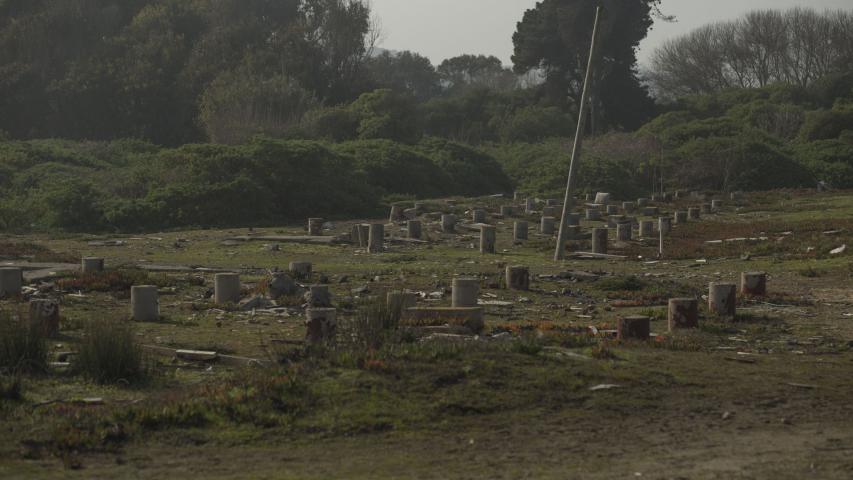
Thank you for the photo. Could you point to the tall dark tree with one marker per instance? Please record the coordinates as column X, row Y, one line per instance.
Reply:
column 467, row 71
column 404, row 72
column 554, row 38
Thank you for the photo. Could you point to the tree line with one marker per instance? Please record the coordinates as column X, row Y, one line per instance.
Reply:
column 797, row 47
column 176, row 71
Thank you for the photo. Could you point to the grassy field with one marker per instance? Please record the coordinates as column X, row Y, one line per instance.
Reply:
column 537, row 395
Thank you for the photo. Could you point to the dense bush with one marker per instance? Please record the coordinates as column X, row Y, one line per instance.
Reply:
column 471, row 171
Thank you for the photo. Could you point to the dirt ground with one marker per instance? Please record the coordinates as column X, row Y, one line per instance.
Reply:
column 763, row 396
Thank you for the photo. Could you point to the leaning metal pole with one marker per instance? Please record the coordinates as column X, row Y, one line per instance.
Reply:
column 576, row 150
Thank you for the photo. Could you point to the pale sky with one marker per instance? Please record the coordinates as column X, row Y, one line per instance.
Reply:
column 441, row 29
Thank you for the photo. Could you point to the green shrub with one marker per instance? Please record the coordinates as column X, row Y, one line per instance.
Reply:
column 472, row 172
column 109, row 353
column 23, row 348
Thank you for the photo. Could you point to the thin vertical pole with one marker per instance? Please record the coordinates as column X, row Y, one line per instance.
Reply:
column 576, row 150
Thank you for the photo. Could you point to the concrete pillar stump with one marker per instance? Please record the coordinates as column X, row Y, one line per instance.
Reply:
column 478, row 216
column 753, row 283
column 448, row 223
column 707, row 209
column 647, row 229
column 599, row 240
column 716, row 205
column 519, row 231
column 518, row 278
column 547, row 225
column 529, row 206
column 694, row 213
column 414, row 229
column 226, row 288
column 318, row 296
column 602, row 198
column 623, row 232
column 322, row 324
column 465, row 292
column 551, row 212
column 396, row 214
column 376, row 239
column 634, row 328
column 665, row 225
column 593, row 214
column 722, row 299
column 651, row 211
column 629, row 207
column 144, row 303
column 507, row 211
column 680, row 217
column 642, row 202
column 683, row 313
column 552, row 202
column 315, row 227
column 612, row 210
column 11, row 281
column 300, row 270
column 488, row 239
column 92, row 265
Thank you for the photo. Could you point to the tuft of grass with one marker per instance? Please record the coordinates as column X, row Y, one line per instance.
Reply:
column 621, row 284
column 602, row 351
column 11, row 388
column 371, row 326
column 109, row 353
column 111, row 281
column 527, row 345
column 23, row 347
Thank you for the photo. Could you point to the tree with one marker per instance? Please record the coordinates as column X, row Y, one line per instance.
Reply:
column 796, row 47
column 406, row 73
column 465, row 71
column 554, row 37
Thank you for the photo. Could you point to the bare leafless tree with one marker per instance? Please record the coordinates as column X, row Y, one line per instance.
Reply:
column 797, row 47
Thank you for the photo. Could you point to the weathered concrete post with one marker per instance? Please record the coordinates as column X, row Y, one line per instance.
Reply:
column 488, row 239
column 623, row 232
column 634, row 328
column 651, row 211
column 44, row 316
column 602, row 198
column 642, row 202
column 599, row 240
column 694, row 213
column 518, row 278
column 552, row 202
column 593, row 214
column 396, row 214
column 318, row 296
column 647, row 229
column 574, row 232
column 629, row 207
column 414, row 228
column 683, row 313
column 707, row 209
column 11, row 281
column 448, row 223
column 612, row 210
column 478, row 215
column 529, row 206
column 716, row 205
column 680, row 217
column 144, row 303
column 226, row 288
column 465, row 292
column 507, row 211
column 315, row 227
column 573, row 219
column 546, row 225
column 722, row 299
column 665, row 225
column 321, row 325
column 753, row 283
column 92, row 265
column 550, row 212
column 300, row 270
column 519, row 231
column 376, row 240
